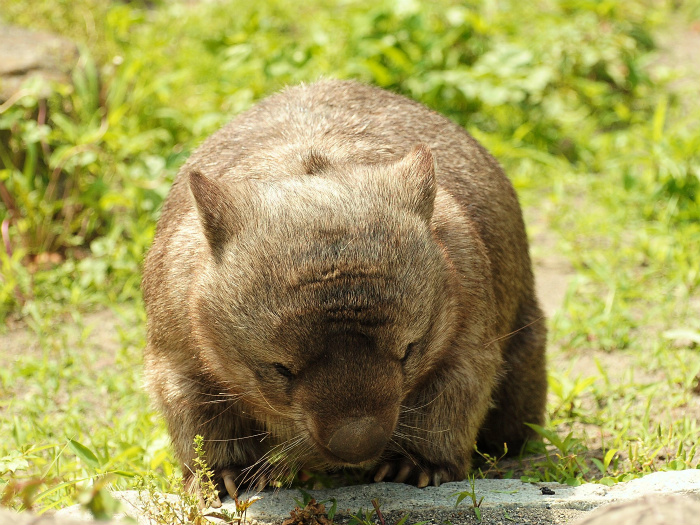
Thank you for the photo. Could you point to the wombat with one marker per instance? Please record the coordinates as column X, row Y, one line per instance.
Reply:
column 340, row 277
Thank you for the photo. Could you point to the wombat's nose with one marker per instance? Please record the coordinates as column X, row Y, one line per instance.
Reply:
column 358, row 440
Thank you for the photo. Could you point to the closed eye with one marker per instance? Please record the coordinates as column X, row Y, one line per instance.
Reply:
column 409, row 350
column 283, row 371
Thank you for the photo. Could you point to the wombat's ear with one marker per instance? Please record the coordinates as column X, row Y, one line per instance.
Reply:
column 418, row 171
column 219, row 210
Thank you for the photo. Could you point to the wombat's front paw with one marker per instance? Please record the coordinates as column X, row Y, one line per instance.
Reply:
column 405, row 470
column 230, row 480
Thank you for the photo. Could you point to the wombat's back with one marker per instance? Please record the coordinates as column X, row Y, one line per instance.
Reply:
column 345, row 121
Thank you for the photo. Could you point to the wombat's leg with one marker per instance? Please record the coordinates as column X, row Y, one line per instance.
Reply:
column 521, row 395
column 437, row 427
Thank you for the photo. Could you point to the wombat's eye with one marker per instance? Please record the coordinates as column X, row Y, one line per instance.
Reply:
column 283, row 370
column 409, row 351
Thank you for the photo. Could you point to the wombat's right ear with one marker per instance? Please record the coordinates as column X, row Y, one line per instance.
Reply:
column 219, row 210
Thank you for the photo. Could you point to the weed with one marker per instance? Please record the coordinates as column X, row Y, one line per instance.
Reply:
column 310, row 513
column 364, row 517
column 471, row 494
column 491, row 463
column 307, row 498
column 568, row 394
column 604, row 465
column 568, row 467
column 188, row 506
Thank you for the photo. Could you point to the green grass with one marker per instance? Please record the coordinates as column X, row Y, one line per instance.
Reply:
column 569, row 96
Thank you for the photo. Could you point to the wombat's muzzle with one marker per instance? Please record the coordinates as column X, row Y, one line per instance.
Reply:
column 352, row 421
column 358, row 440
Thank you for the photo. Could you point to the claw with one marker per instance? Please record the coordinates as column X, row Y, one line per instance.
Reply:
column 232, row 479
column 423, row 480
column 416, row 473
column 403, row 474
column 229, row 477
column 382, row 472
column 261, row 484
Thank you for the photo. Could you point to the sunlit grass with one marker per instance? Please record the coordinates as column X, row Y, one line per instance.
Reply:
column 607, row 159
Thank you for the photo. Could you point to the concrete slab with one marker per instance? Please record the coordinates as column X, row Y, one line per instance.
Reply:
column 504, row 501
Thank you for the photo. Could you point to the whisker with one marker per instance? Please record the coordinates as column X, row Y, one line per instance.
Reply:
column 225, row 395
column 228, row 399
column 409, row 437
column 217, row 415
column 236, row 438
column 405, row 425
column 408, row 455
column 270, row 470
column 414, row 409
column 268, row 403
column 279, row 448
column 506, row 336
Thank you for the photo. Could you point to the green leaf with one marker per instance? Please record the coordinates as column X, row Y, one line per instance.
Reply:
column 84, row 453
column 306, row 498
column 124, row 473
column 549, row 435
column 677, row 464
column 402, row 520
column 333, row 509
column 609, row 455
column 460, row 496
column 598, row 463
column 13, row 462
column 529, row 479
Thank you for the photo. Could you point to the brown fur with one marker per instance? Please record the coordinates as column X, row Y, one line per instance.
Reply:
column 331, row 279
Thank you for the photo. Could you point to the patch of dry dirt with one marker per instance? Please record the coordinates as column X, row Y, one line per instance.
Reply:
column 97, row 331
column 553, row 272
column 680, row 51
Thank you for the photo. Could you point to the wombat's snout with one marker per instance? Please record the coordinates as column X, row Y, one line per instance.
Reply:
column 358, row 440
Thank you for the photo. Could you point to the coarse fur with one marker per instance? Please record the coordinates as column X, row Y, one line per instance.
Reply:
column 340, row 276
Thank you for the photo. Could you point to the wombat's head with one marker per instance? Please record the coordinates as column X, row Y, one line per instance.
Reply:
column 319, row 302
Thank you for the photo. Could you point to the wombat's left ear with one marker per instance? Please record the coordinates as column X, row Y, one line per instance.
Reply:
column 220, row 210
column 417, row 169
